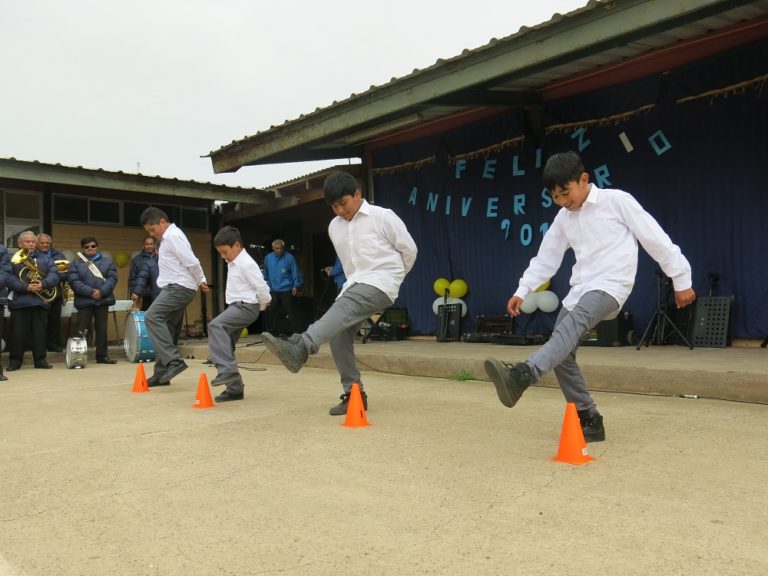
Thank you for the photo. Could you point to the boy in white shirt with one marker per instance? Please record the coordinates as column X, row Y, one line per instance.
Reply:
column 179, row 277
column 376, row 252
column 602, row 227
column 247, row 294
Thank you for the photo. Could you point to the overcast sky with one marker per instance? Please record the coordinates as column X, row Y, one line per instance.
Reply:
column 153, row 85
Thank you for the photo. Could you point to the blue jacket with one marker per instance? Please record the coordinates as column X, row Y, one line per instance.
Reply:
column 142, row 279
column 282, row 274
column 5, row 272
column 19, row 296
column 337, row 273
column 83, row 281
column 54, row 255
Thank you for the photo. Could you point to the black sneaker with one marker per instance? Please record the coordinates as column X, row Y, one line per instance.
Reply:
column 292, row 353
column 154, row 380
column 227, row 396
column 172, row 370
column 341, row 408
column 227, row 378
column 510, row 380
column 592, row 426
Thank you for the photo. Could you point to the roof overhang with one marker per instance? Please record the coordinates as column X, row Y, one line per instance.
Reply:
column 79, row 177
column 527, row 69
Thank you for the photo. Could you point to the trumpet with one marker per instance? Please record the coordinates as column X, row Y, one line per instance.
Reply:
column 30, row 273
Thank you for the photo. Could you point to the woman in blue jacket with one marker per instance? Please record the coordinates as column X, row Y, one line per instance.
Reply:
column 93, row 277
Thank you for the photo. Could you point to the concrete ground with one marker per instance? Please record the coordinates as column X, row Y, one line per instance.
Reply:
column 98, row 480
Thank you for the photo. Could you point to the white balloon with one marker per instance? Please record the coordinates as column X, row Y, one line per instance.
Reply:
column 107, row 253
column 548, row 301
column 135, row 253
column 530, row 303
column 68, row 254
column 441, row 300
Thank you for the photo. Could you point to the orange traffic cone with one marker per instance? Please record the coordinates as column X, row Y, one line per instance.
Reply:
column 355, row 409
column 573, row 448
column 140, row 380
column 203, row 398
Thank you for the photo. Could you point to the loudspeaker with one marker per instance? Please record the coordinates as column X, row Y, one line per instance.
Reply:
column 711, row 322
column 448, row 322
column 616, row 332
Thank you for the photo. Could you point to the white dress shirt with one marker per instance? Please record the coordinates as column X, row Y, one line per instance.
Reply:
column 374, row 247
column 603, row 234
column 245, row 282
column 176, row 262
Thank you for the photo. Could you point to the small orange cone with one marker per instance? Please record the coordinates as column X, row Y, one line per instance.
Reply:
column 203, row 398
column 355, row 409
column 140, row 380
column 573, row 448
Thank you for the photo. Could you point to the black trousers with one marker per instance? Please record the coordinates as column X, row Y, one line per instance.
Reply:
column 99, row 315
column 282, row 305
column 53, row 332
column 146, row 302
column 31, row 321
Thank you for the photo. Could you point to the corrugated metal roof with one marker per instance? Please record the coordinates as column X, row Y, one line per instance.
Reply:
column 35, row 171
column 514, row 71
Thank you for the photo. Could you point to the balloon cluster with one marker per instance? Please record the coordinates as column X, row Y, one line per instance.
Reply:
column 453, row 290
column 541, row 299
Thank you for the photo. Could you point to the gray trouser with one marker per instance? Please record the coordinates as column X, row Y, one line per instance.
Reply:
column 161, row 320
column 559, row 352
column 338, row 326
column 223, row 333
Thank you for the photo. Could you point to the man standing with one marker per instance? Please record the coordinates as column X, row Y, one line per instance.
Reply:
column 53, row 332
column 5, row 272
column 179, row 278
column 29, row 301
column 142, row 279
column 93, row 278
column 284, row 279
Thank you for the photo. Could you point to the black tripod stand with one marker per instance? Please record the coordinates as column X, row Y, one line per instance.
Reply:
column 660, row 319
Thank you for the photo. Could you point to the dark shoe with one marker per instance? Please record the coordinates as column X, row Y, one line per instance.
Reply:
column 341, row 408
column 154, row 380
column 105, row 360
column 592, row 426
column 291, row 353
column 172, row 370
column 228, row 378
column 13, row 366
column 3, row 377
column 43, row 365
column 228, row 396
column 510, row 380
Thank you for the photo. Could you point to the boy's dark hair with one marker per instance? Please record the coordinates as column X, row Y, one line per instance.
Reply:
column 227, row 236
column 152, row 216
column 337, row 185
column 562, row 168
column 88, row 240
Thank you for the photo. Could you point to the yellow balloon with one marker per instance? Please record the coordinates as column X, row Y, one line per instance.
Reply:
column 458, row 288
column 121, row 259
column 440, row 286
column 244, row 333
column 544, row 286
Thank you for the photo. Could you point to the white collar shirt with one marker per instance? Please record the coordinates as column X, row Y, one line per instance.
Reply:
column 245, row 282
column 603, row 234
column 177, row 263
column 375, row 248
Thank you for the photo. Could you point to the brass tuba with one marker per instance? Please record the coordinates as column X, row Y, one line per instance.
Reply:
column 31, row 273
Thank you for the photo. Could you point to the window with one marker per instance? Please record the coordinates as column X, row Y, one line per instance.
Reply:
column 104, row 211
column 81, row 209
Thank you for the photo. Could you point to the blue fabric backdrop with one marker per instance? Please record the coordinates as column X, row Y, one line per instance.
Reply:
column 690, row 145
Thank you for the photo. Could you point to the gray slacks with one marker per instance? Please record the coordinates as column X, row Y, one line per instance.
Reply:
column 223, row 333
column 559, row 352
column 338, row 326
column 162, row 319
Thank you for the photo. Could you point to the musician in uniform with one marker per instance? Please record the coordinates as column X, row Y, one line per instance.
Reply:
column 5, row 272
column 53, row 332
column 32, row 284
column 142, row 279
column 93, row 277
